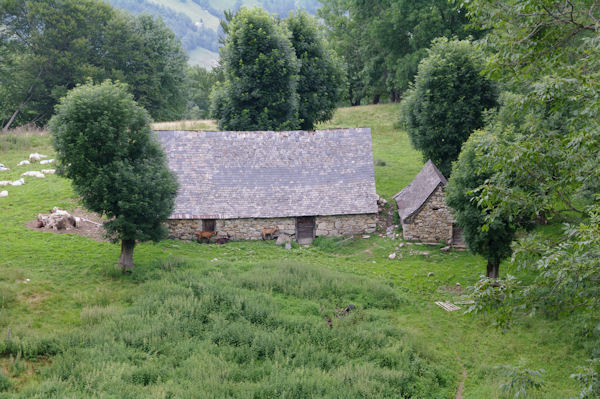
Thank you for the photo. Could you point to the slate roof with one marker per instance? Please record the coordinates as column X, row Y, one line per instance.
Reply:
column 413, row 197
column 228, row 175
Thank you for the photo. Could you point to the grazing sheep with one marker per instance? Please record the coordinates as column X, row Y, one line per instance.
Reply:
column 5, row 183
column 47, row 161
column 3, row 168
column 56, row 210
column 3, row 194
column 34, row 173
column 48, row 171
column 35, row 157
column 19, row 182
column 23, row 163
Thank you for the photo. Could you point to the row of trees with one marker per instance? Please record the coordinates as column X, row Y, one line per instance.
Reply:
column 47, row 47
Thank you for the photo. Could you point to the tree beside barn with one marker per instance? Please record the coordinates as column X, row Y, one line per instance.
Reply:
column 104, row 144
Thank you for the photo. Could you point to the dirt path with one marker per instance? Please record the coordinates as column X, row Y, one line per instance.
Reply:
column 459, row 391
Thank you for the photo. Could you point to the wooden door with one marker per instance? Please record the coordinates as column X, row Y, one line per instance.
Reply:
column 457, row 237
column 305, row 229
column 208, row 225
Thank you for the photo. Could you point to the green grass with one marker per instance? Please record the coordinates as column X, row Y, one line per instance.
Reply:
column 247, row 319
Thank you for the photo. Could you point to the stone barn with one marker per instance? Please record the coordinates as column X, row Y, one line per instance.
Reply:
column 304, row 183
column 423, row 212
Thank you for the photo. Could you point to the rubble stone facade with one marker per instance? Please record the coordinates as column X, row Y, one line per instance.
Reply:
column 432, row 223
column 251, row 228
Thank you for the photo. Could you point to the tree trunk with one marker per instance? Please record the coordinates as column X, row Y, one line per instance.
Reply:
column 492, row 270
column 13, row 116
column 28, row 97
column 126, row 259
column 376, row 98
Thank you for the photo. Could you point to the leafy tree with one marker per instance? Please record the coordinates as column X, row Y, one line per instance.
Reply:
column 56, row 44
column 320, row 75
column 448, row 101
column 343, row 32
column 200, row 83
column 105, row 146
column 383, row 41
column 490, row 240
column 260, row 69
column 156, row 68
column 546, row 157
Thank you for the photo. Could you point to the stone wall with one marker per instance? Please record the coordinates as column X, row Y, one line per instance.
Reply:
column 251, row 229
column 340, row 225
column 432, row 223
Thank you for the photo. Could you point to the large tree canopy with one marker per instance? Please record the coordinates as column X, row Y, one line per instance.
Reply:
column 320, row 75
column 382, row 41
column 260, row 69
column 50, row 46
column 105, row 146
column 546, row 155
column 448, row 101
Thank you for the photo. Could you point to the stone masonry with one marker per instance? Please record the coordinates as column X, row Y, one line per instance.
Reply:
column 251, row 228
column 330, row 226
column 432, row 223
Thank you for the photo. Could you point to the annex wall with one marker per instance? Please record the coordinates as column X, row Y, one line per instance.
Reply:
column 432, row 223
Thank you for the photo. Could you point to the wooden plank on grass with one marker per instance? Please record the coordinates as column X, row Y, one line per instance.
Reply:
column 447, row 306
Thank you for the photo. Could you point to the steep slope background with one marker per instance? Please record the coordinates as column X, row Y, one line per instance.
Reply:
column 196, row 22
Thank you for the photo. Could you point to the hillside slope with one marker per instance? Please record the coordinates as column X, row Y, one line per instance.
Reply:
column 196, row 22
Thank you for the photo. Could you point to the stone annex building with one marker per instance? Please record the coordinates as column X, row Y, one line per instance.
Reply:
column 423, row 211
column 305, row 183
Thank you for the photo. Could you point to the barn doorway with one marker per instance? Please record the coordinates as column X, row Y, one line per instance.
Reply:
column 305, row 229
column 458, row 240
column 208, row 225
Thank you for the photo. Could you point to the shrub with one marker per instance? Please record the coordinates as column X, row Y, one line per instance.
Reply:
column 5, row 383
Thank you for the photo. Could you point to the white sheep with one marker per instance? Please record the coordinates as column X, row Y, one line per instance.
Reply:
column 48, row 171
column 47, row 161
column 35, row 157
column 56, row 210
column 19, row 182
column 3, row 168
column 23, row 163
column 34, row 173
column 5, row 182
column 3, row 194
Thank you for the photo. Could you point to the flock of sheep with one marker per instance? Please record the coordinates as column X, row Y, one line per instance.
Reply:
column 33, row 158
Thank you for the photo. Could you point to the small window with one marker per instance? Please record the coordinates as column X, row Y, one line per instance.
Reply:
column 208, row 225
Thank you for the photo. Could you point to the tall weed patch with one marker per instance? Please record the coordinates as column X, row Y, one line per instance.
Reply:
column 262, row 333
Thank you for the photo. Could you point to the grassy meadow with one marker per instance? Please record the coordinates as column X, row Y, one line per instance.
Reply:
column 251, row 319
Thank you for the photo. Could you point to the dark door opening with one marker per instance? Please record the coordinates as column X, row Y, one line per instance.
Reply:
column 305, row 229
column 208, row 225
